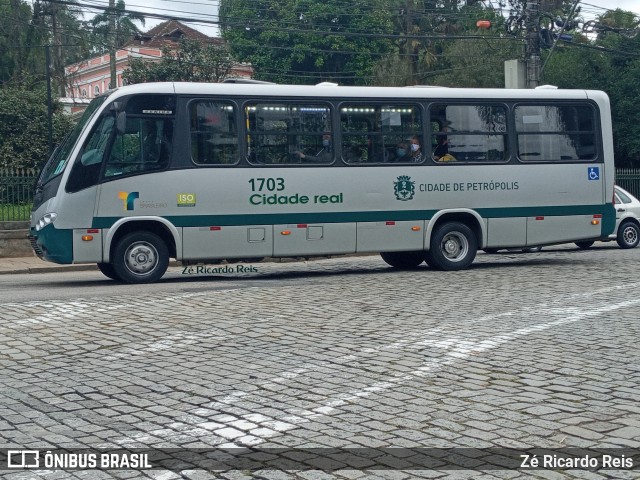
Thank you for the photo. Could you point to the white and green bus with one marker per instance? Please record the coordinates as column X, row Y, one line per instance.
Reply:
column 203, row 172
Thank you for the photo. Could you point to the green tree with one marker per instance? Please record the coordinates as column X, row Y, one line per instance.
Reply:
column 24, row 125
column 116, row 27
column 475, row 63
column 124, row 25
column 302, row 41
column 67, row 35
column 421, row 28
column 19, row 51
column 192, row 61
column 466, row 55
column 611, row 63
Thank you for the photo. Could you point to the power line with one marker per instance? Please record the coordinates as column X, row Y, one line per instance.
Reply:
column 344, row 52
column 261, row 25
column 598, row 8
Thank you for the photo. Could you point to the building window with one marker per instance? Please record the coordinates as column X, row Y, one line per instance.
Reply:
column 96, row 90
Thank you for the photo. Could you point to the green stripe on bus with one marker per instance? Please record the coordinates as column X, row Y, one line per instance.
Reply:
column 366, row 216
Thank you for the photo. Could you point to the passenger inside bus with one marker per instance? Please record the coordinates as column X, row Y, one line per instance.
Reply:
column 403, row 153
column 324, row 155
column 441, row 151
column 416, row 151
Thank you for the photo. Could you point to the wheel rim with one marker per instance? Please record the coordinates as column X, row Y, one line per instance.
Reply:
column 630, row 235
column 454, row 246
column 141, row 258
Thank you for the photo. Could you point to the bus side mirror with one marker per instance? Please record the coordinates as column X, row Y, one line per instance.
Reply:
column 121, row 123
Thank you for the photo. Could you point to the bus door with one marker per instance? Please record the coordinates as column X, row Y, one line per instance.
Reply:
column 82, row 191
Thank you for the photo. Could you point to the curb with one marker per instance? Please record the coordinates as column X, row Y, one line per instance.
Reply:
column 71, row 268
column 48, row 267
column 59, row 268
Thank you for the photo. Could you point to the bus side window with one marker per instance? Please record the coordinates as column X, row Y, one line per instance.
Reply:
column 556, row 133
column 144, row 146
column 371, row 132
column 214, row 139
column 469, row 133
column 287, row 133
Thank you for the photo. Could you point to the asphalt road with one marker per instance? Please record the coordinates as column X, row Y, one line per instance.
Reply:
column 385, row 367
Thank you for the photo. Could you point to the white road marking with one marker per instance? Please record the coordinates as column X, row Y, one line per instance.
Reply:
column 455, row 350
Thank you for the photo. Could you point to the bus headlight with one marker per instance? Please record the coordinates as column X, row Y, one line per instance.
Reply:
column 46, row 219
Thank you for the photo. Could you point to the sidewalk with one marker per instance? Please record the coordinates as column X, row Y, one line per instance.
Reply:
column 34, row 265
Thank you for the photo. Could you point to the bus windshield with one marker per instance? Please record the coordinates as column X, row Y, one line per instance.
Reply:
column 58, row 160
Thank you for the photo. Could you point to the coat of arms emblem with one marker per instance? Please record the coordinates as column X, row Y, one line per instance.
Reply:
column 404, row 188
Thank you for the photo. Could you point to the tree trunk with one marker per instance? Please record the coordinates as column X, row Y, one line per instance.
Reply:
column 113, row 83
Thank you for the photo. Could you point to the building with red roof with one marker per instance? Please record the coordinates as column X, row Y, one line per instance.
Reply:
column 89, row 78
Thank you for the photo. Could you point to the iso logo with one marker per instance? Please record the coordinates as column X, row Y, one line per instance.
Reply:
column 23, row 459
column 186, row 199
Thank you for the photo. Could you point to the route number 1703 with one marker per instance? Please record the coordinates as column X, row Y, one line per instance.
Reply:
column 266, row 184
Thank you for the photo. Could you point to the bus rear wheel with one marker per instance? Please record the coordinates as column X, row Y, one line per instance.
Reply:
column 453, row 247
column 140, row 257
column 403, row 260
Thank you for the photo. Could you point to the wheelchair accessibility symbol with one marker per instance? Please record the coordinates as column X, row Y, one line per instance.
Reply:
column 594, row 173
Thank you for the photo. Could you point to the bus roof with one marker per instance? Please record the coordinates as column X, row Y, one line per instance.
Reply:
column 332, row 91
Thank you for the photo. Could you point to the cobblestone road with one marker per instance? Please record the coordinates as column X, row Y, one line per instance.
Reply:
column 522, row 350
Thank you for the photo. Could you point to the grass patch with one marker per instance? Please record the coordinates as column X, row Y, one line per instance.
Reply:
column 14, row 213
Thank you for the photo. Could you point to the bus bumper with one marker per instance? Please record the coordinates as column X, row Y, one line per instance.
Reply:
column 52, row 245
column 608, row 220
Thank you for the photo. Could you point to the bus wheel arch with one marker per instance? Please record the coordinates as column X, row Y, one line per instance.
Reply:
column 140, row 251
column 152, row 226
column 454, row 241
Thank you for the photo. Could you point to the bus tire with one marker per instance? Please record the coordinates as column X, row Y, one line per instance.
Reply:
column 628, row 235
column 403, row 260
column 583, row 245
column 108, row 271
column 140, row 257
column 453, row 247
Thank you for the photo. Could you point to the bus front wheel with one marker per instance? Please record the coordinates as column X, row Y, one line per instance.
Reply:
column 453, row 247
column 140, row 257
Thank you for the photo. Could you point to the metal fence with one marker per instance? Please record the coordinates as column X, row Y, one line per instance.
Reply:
column 17, row 185
column 629, row 179
column 16, row 193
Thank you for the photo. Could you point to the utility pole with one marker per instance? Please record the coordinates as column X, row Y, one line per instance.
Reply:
column 112, row 44
column 532, row 49
column 47, row 59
